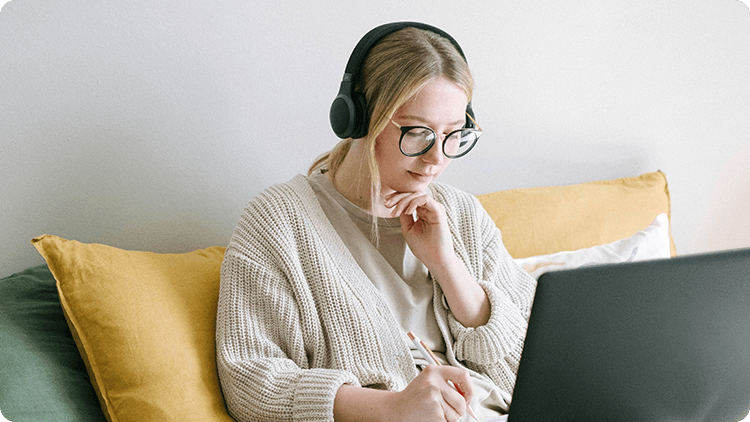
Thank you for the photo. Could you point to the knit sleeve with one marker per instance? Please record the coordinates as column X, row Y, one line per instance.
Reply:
column 265, row 331
column 494, row 348
column 510, row 291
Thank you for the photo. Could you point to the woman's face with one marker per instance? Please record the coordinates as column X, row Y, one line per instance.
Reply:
column 439, row 105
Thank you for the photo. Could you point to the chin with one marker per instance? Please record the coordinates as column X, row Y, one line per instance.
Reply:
column 414, row 184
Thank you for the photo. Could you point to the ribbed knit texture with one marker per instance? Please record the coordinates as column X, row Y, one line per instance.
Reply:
column 297, row 318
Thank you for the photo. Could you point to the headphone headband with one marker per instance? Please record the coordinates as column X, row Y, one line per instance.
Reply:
column 357, row 58
column 348, row 113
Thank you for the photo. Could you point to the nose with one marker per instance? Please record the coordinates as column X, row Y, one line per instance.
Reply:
column 435, row 155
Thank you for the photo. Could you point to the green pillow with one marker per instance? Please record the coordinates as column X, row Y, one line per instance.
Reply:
column 42, row 375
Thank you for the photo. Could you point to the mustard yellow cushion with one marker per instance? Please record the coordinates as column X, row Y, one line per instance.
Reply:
column 541, row 221
column 145, row 326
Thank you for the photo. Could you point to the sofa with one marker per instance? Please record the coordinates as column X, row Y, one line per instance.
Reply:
column 100, row 333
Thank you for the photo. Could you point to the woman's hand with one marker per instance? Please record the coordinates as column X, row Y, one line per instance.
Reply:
column 430, row 397
column 430, row 240
column 427, row 398
column 428, row 236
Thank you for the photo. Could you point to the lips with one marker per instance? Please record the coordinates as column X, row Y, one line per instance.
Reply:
column 421, row 176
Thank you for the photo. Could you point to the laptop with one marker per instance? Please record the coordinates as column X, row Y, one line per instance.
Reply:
column 662, row 340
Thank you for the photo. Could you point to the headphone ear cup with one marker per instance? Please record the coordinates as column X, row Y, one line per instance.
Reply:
column 361, row 118
column 348, row 116
column 342, row 116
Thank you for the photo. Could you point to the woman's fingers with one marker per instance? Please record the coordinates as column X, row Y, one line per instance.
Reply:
column 431, row 396
column 408, row 203
column 462, row 382
column 454, row 403
column 400, row 201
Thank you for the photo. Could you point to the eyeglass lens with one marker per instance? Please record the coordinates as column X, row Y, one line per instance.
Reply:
column 418, row 140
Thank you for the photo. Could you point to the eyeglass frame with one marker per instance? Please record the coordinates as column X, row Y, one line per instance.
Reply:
column 404, row 129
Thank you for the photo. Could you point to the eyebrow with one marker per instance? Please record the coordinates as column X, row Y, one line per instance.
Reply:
column 426, row 122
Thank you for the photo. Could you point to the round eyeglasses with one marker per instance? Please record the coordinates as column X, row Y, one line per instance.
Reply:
column 417, row 140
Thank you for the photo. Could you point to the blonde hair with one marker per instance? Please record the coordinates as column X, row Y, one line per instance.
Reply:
column 395, row 69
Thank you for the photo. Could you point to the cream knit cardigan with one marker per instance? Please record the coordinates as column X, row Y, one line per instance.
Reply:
column 297, row 317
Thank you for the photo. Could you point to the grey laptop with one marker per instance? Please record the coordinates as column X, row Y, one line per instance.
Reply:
column 663, row 340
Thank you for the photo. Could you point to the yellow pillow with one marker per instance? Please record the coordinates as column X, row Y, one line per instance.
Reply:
column 541, row 221
column 145, row 326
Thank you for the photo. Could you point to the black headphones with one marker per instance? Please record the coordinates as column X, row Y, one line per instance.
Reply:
column 348, row 113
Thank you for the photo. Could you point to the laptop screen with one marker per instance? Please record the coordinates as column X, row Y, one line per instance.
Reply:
column 663, row 340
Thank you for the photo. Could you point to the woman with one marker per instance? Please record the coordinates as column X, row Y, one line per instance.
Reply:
column 325, row 274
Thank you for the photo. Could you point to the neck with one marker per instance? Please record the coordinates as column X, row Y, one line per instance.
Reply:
column 352, row 180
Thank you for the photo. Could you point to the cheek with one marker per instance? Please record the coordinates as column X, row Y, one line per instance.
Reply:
column 388, row 155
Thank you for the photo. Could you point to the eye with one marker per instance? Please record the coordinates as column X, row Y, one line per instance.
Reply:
column 460, row 142
column 453, row 133
column 420, row 132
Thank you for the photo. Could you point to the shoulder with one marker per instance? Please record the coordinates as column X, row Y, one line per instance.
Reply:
column 281, row 208
column 291, row 197
column 296, row 189
column 279, row 224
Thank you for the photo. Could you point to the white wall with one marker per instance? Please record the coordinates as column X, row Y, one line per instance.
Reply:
column 148, row 124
